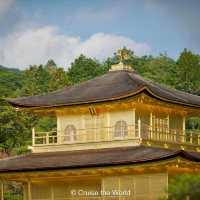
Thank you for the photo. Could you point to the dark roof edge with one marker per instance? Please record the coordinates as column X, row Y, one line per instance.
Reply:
column 139, row 91
column 181, row 153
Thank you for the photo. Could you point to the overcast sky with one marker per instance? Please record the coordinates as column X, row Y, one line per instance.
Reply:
column 33, row 31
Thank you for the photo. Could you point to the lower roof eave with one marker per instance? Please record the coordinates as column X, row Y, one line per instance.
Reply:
column 96, row 159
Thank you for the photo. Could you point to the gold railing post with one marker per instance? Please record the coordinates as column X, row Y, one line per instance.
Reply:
column 33, row 136
column 47, row 138
column 191, row 138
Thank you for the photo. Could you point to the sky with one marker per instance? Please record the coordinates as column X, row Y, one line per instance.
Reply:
column 34, row 31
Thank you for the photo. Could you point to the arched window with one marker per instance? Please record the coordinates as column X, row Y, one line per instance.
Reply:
column 120, row 129
column 70, row 133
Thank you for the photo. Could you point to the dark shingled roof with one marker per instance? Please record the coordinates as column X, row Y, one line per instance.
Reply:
column 92, row 158
column 111, row 86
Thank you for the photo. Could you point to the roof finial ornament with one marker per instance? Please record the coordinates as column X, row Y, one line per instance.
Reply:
column 123, row 55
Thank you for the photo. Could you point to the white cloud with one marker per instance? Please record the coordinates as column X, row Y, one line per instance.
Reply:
column 101, row 45
column 5, row 6
column 37, row 45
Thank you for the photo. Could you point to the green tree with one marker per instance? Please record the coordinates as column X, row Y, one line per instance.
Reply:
column 15, row 128
column 84, row 68
column 58, row 79
column 42, row 79
column 10, row 80
column 188, row 72
column 184, row 187
column 35, row 81
column 51, row 64
column 161, row 69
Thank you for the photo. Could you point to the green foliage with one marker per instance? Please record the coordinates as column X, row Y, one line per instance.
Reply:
column 10, row 80
column 23, row 149
column 15, row 128
column 84, row 68
column 42, row 79
column 10, row 196
column 188, row 72
column 46, row 124
column 184, row 187
column 161, row 69
column 193, row 123
column 13, row 192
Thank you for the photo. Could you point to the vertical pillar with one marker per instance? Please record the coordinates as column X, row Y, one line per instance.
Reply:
column 109, row 129
column 167, row 131
column 102, row 188
column 25, row 191
column 133, row 128
column 33, row 136
column 60, row 134
column 2, row 190
column 95, row 127
column 139, row 127
column 52, row 192
column 29, row 190
column 82, row 132
column 151, row 126
column 183, row 132
column 47, row 138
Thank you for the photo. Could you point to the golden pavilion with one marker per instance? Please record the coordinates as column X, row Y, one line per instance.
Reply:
column 118, row 137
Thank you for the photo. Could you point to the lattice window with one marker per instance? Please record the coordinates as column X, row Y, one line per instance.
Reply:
column 141, row 187
column 95, row 127
column 70, row 133
column 41, row 191
column 160, row 123
column 120, row 129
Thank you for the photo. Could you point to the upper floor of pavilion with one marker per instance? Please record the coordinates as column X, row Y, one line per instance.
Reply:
column 117, row 109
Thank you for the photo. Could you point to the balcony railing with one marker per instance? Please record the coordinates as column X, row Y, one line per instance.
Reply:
column 85, row 136
column 137, row 131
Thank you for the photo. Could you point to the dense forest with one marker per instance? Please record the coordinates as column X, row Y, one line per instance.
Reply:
column 15, row 127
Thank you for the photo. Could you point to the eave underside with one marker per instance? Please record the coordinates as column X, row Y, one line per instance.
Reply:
column 172, row 167
column 135, row 157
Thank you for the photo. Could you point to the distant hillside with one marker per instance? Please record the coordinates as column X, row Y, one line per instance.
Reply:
column 10, row 81
column 8, row 69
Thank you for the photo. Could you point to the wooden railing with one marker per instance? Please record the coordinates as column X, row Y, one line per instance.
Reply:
column 85, row 135
column 136, row 131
